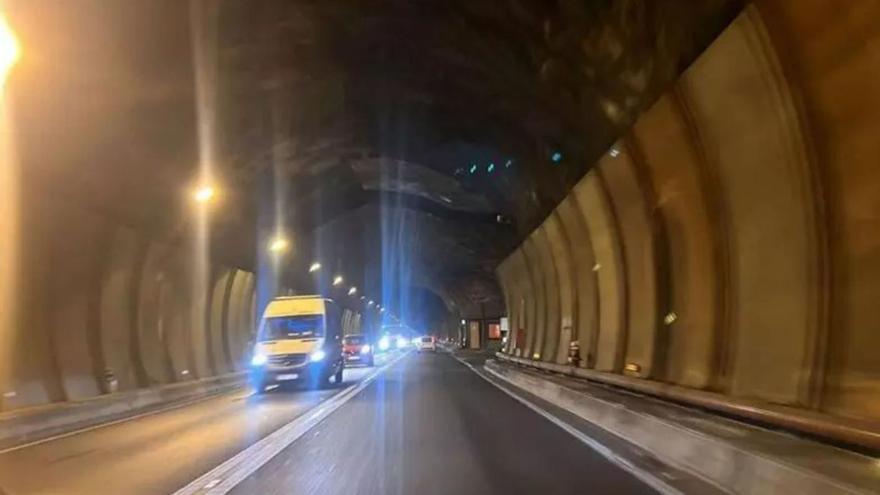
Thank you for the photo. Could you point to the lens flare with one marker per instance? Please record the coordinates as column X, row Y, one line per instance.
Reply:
column 279, row 245
column 10, row 51
column 203, row 194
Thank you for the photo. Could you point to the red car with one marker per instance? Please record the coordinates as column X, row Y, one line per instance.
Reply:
column 356, row 350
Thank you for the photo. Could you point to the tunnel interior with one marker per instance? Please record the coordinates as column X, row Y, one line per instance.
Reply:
column 685, row 191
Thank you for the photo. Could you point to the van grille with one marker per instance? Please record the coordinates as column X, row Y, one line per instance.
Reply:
column 287, row 359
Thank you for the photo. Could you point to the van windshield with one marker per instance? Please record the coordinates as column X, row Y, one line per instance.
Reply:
column 293, row 327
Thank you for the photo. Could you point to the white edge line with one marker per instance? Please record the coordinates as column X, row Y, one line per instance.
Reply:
column 234, row 470
column 649, row 479
column 176, row 405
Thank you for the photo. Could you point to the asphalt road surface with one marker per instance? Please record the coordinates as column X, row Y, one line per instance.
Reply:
column 427, row 425
column 159, row 453
column 430, row 425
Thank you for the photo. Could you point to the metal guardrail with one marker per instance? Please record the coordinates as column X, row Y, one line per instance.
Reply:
column 851, row 432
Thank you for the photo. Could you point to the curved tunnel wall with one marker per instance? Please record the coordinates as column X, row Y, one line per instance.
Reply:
column 732, row 234
column 98, row 298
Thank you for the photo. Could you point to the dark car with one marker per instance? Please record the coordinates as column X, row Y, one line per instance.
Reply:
column 357, row 350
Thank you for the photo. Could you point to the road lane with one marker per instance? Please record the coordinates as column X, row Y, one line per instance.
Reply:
column 429, row 425
column 158, row 453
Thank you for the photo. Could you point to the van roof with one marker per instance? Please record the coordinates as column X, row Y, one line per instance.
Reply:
column 310, row 296
column 298, row 305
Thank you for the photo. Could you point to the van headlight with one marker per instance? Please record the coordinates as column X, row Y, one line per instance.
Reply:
column 316, row 356
column 259, row 359
column 365, row 349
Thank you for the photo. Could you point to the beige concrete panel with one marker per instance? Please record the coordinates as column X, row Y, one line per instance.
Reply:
column 517, row 313
column 634, row 223
column 674, row 168
column 537, row 317
column 151, row 354
column 31, row 375
column 174, row 314
column 239, row 319
column 217, row 320
column 117, row 313
column 523, row 302
column 586, row 302
column 251, row 322
column 235, row 309
column 70, row 300
column 548, row 342
column 596, row 210
column 750, row 129
column 561, row 260
column 504, row 276
column 831, row 50
column 527, row 306
column 199, row 295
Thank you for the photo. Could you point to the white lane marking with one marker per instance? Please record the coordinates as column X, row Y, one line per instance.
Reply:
column 234, row 470
column 178, row 405
column 650, row 479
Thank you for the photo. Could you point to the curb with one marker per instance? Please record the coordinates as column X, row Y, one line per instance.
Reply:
column 710, row 458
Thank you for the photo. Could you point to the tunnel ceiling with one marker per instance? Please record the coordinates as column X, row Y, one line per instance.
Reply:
column 477, row 115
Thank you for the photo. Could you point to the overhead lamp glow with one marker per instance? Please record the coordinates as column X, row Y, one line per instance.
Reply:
column 10, row 51
column 203, row 193
column 381, row 310
column 614, row 152
column 279, row 245
column 490, row 168
column 473, row 169
column 352, row 291
column 370, row 302
column 556, row 157
column 508, row 163
column 314, row 267
column 337, row 280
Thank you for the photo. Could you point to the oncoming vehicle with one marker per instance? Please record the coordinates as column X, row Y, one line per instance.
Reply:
column 426, row 344
column 356, row 350
column 299, row 339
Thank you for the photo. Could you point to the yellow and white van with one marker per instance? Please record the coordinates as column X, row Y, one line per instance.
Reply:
column 299, row 339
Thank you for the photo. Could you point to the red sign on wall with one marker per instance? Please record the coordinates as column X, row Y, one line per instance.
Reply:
column 494, row 331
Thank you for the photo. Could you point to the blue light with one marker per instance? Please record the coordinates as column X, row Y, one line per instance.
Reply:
column 473, row 168
column 556, row 157
column 490, row 168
